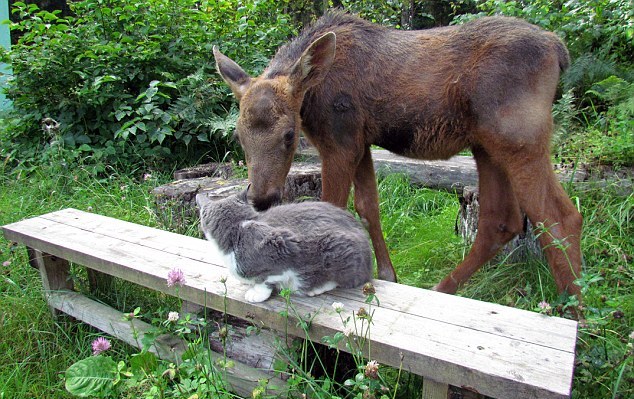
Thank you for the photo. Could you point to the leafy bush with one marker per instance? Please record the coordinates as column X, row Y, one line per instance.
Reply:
column 131, row 82
column 609, row 134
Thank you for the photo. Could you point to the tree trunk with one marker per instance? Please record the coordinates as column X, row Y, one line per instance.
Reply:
column 520, row 249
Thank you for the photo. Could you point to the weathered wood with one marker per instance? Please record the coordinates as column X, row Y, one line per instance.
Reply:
column 452, row 174
column 434, row 390
column 467, row 313
column 32, row 257
column 224, row 170
column 498, row 351
column 54, row 271
column 256, row 349
column 242, row 378
column 175, row 202
column 304, row 180
column 442, row 307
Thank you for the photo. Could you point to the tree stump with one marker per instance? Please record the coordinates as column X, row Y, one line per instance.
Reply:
column 175, row 202
column 520, row 249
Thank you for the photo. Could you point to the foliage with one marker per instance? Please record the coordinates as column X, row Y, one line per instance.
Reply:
column 386, row 12
column 131, row 82
column 35, row 348
column 608, row 137
column 196, row 371
column 200, row 373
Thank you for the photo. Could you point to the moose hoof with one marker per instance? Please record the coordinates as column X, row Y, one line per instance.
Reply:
column 446, row 286
column 387, row 275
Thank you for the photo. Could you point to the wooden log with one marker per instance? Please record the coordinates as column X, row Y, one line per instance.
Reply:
column 175, row 203
column 224, row 170
column 452, row 174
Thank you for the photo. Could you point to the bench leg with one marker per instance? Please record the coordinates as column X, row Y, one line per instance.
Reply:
column 100, row 283
column 55, row 273
column 435, row 390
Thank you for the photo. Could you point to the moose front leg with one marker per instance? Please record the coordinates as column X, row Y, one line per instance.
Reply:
column 337, row 174
column 366, row 202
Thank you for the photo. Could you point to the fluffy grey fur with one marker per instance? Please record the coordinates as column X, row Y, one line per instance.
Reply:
column 310, row 247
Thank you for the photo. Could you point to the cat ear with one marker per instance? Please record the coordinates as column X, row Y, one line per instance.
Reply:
column 243, row 196
column 202, row 200
column 283, row 241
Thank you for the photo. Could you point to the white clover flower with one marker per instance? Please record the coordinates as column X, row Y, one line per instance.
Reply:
column 337, row 306
column 173, row 317
column 372, row 369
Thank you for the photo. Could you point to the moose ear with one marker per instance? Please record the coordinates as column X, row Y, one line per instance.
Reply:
column 238, row 80
column 314, row 63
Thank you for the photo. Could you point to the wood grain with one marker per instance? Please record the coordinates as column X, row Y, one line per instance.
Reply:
column 54, row 271
column 434, row 390
column 495, row 350
column 242, row 378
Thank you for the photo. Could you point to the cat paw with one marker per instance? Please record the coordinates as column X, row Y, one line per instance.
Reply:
column 330, row 285
column 258, row 293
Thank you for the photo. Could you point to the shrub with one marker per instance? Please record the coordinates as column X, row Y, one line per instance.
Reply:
column 131, row 82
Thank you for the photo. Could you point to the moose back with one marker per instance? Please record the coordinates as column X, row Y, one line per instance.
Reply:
column 487, row 85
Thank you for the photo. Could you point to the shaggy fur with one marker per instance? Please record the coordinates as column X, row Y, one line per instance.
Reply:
column 310, row 247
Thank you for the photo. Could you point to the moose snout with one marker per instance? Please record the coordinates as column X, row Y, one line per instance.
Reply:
column 263, row 201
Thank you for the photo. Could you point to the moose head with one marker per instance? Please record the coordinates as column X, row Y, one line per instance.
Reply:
column 269, row 122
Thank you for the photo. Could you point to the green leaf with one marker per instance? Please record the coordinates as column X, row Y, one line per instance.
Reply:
column 91, row 376
column 186, row 139
column 144, row 361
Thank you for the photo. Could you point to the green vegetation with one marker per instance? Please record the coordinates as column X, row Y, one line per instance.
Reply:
column 133, row 83
column 130, row 92
column 35, row 350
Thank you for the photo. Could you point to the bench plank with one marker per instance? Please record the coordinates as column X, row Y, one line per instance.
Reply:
column 242, row 378
column 446, row 338
column 493, row 318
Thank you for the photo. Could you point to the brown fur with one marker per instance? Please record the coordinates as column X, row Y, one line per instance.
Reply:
column 347, row 84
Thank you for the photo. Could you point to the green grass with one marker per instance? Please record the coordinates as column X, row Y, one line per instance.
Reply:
column 35, row 349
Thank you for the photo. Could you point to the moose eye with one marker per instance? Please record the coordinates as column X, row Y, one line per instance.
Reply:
column 289, row 137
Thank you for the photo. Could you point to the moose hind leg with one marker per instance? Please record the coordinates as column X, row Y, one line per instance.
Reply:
column 500, row 219
column 557, row 220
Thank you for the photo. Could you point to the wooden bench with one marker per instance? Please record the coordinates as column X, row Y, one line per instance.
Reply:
column 495, row 350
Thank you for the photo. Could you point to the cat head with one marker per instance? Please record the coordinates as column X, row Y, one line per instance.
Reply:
column 220, row 219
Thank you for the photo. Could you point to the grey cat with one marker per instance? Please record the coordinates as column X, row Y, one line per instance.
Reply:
column 309, row 247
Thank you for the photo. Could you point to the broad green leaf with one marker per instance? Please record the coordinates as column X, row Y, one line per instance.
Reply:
column 91, row 376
